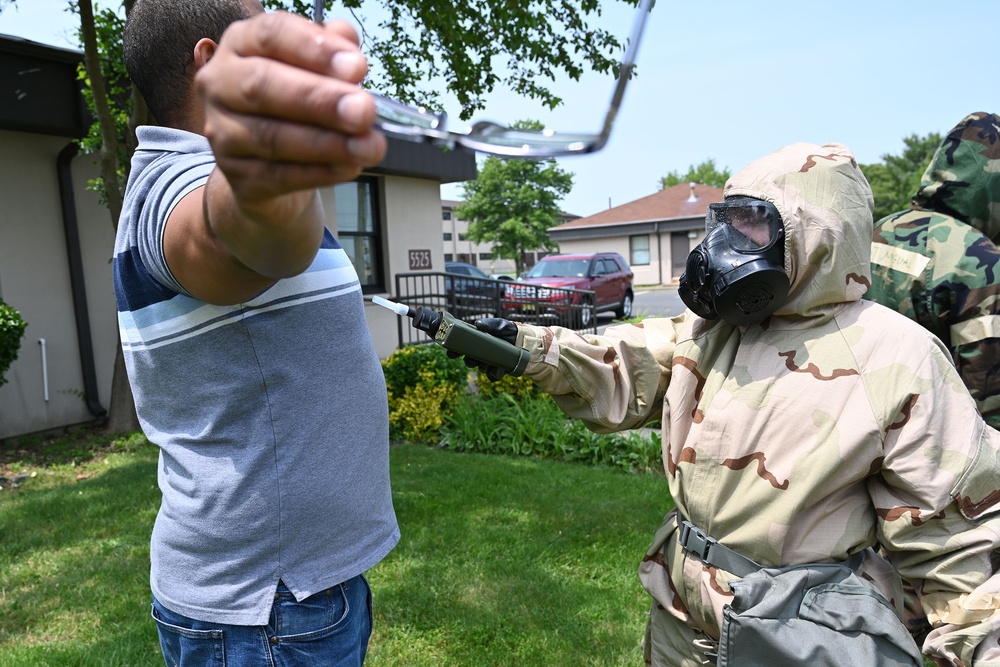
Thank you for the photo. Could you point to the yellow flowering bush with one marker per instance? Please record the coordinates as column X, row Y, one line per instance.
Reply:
column 423, row 384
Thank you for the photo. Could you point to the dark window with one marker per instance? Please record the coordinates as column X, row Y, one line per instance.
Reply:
column 486, row 256
column 359, row 229
column 447, row 236
column 448, row 257
column 461, row 237
column 446, row 215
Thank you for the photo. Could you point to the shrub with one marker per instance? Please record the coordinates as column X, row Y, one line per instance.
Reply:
column 532, row 424
column 11, row 331
column 423, row 384
column 519, row 387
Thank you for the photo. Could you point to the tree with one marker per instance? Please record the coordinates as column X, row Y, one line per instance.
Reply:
column 896, row 179
column 705, row 174
column 416, row 44
column 513, row 202
column 118, row 109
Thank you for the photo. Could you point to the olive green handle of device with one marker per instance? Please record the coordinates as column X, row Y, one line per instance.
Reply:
column 465, row 339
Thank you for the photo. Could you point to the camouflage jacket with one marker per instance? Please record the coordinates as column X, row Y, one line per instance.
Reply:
column 938, row 263
column 833, row 426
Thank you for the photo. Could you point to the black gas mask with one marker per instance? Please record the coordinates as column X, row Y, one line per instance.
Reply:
column 738, row 271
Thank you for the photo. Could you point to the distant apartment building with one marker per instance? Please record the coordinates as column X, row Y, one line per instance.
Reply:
column 458, row 247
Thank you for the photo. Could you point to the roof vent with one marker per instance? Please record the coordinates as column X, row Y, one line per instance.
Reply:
column 692, row 197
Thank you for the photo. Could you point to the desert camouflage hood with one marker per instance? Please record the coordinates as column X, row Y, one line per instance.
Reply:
column 963, row 178
column 826, row 206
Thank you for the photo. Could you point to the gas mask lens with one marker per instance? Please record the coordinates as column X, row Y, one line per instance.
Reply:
column 750, row 225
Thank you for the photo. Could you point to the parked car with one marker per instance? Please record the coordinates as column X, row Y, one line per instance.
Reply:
column 556, row 287
column 470, row 290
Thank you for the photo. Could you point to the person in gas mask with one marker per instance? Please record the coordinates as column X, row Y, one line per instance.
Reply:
column 802, row 427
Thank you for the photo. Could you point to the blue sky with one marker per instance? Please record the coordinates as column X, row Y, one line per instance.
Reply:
column 733, row 80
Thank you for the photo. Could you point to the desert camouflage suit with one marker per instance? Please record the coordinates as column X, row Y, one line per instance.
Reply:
column 835, row 425
column 938, row 262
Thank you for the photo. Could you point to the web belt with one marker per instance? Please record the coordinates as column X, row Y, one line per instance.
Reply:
column 711, row 552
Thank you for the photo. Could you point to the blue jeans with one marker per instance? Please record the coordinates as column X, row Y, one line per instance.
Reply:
column 329, row 629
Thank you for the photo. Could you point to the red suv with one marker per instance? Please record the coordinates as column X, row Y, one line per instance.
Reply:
column 557, row 286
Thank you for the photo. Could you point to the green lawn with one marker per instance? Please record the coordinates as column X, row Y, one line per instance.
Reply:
column 503, row 561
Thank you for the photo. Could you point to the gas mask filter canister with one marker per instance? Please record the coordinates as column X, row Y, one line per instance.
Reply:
column 737, row 272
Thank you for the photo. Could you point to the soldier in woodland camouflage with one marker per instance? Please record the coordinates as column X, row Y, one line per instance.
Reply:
column 937, row 263
column 829, row 428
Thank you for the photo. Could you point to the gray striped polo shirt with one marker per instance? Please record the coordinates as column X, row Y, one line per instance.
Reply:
column 271, row 415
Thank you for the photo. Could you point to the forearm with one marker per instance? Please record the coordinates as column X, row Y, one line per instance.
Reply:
column 611, row 382
column 274, row 237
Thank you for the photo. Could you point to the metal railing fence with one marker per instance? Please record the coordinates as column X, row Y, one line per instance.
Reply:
column 471, row 299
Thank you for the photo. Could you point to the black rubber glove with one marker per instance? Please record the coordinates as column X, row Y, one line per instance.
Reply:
column 500, row 328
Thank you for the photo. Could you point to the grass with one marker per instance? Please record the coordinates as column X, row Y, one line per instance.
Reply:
column 503, row 561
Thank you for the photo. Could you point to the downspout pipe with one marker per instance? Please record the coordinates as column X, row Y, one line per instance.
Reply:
column 75, row 256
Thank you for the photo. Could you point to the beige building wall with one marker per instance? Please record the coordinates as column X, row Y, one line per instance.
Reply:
column 414, row 206
column 650, row 274
column 34, row 279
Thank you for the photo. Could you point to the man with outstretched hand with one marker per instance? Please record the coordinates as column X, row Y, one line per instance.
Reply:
column 245, row 339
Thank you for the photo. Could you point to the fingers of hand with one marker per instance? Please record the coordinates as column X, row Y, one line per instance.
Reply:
column 257, row 180
column 235, row 135
column 262, row 87
column 495, row 374
column 330, row 49
column 286, row 68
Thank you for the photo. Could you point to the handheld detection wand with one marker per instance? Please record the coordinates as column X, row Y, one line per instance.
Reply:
column 461, row 337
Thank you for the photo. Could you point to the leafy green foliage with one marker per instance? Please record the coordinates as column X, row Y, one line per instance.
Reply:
column 528, row 423
column 11, row 331
column 518, row 387
column 430, row 402
column 705, row 173
column 476, row 46
column 512, row 204
column 896, row 179
column 423, row 384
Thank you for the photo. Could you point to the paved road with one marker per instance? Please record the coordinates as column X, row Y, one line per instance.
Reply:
column 649, row 301
column 659, row 300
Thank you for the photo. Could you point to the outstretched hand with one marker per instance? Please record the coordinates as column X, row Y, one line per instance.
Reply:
column 283, row 110
column 499, row 328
